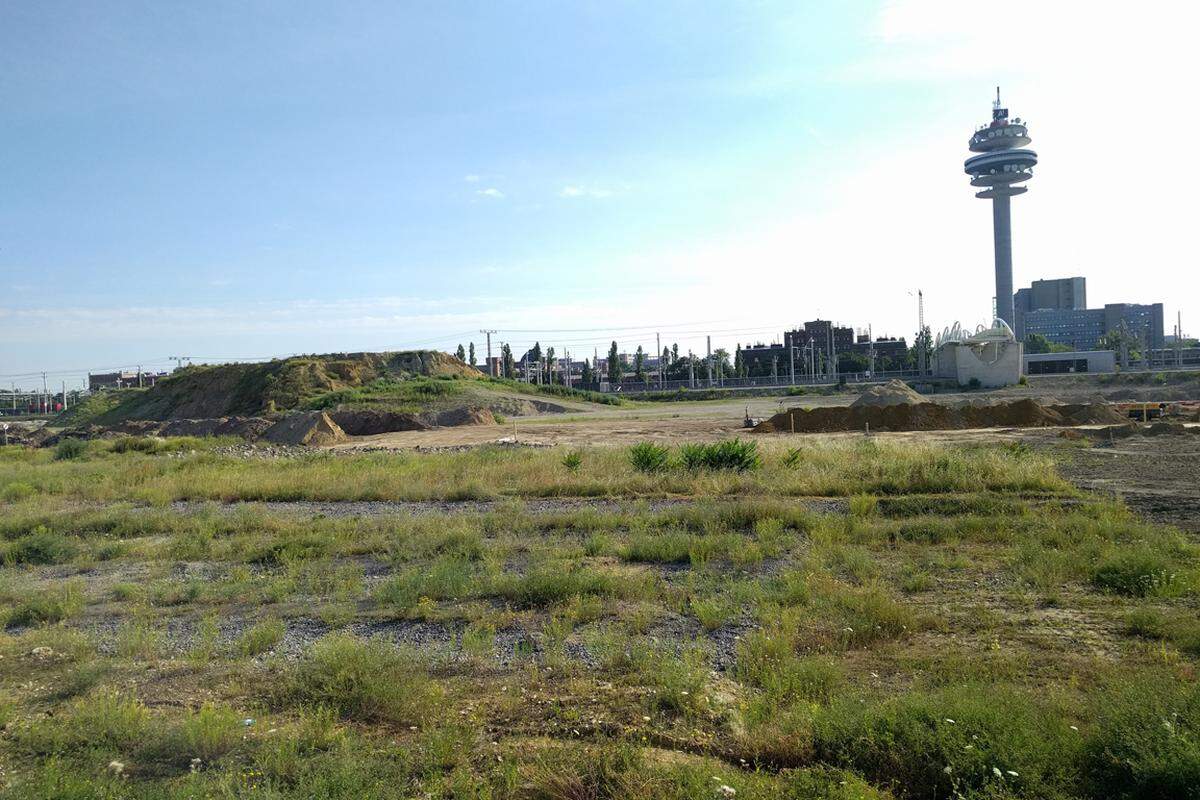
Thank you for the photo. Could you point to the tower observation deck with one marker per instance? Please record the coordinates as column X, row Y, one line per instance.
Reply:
column 1002, row 163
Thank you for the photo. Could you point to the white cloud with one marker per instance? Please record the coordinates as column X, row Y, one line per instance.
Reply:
column 491, row 192
column 573, row 191
column 471, row 178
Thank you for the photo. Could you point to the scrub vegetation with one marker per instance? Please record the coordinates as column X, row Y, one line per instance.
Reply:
column 843, row 620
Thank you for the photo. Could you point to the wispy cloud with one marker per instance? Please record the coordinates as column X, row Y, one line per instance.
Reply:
column 572, row 191
column 491, row 192
column 472, row 178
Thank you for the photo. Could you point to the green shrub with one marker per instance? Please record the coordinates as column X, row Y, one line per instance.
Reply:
column 261, row 637
column 573, row 460
column 40, row 547
column 549, row 585
column 362, row 681
column 649, row 457
column 732, row 454
column 135, row 444
column 47, row 606
column 1146, row 743
column 1138, row 573
column 69, row 449
column 17, row 491
column 964, row 741
column 793, row 457
column 768, row 662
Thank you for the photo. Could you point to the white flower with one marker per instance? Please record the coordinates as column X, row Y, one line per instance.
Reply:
column 1010, row 772
column 116, row 767
column 949, row 720
column 947, row 769
column 727, row 790
column 996, row 771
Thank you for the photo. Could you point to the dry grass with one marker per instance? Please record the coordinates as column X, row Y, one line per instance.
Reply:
column 966, row 626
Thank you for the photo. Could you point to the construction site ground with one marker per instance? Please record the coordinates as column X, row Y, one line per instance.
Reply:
column 1157, row 476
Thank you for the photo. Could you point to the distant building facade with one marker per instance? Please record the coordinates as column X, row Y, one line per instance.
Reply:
column 1057, row 309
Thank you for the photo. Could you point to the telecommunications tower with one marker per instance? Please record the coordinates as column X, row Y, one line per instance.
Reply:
column 1003, row 161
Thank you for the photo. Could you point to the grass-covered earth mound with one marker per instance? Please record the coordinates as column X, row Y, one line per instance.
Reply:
column 408, row 382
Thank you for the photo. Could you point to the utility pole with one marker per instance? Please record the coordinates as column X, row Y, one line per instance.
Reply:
column 139, row 376
column 64, row 390
column 178, row 362
column 658, row 356
column 923, row 345
column 871, row 348
column 488, row 334
column 709, row 360
column 45, row 395
column 1179, row 338
column 791, row 363
column 691, row 370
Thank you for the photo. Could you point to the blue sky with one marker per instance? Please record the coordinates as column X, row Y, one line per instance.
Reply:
column 238, row 180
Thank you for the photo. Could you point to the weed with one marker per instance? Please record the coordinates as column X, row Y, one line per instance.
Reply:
column 1139, row 572
column 39, row 547
column 46, row 606
column 731, row 454
column 362, row 681
column 69, row 449
column 261, row 637
column 573, row 461
column 649, row 457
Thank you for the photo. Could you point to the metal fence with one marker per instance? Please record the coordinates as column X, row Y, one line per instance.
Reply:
column 762, row 382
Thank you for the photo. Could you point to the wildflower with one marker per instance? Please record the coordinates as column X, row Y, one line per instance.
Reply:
column 116, row 767
column 996, row 771
column 727, row 790
column 195, row 765
column 947, row 769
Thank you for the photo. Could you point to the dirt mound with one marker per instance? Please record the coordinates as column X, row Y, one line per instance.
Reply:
column 893, row 393
column 464, row 416
column 369, row 421
column 524, row 407
column 1090, row 414
column 310, row 428
column 246, row 427
column 224, row 390
column 1023, row 413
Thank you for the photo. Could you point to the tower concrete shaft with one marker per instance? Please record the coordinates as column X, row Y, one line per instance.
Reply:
column 1002, row 236
column 1002, row 163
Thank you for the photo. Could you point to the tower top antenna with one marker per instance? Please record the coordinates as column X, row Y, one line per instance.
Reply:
column 997, row 103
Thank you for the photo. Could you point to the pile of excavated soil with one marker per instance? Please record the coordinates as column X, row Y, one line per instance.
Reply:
column 1091, row 414
column 465, row 416
column 1131, row 428
column 1023, row 413
column 308, row 428
column 246, row 427
column 372, row 421
column 893, row 393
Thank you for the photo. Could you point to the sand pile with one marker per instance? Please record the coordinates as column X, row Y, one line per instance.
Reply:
column 893, row 393
column 1023, row 413
column 310, row 428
